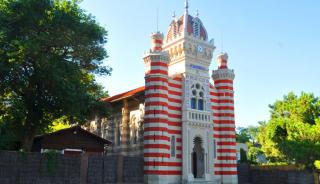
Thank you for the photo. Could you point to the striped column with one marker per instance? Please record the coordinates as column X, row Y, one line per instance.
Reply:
column 156, row 138
column 222, row 102
column 156, row 42
column 175, row 128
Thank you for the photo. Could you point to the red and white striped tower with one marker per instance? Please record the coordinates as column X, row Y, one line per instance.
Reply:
column 156, row 138
column 225, row 165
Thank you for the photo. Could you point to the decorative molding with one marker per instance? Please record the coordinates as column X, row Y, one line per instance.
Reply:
column 200, row 125
column 223, row 74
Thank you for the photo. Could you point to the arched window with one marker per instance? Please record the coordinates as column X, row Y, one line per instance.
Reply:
column 197, row 99
column 173, row 146
column 193, row 103
column 200, row 104
column 198, row 158
column 196, row 27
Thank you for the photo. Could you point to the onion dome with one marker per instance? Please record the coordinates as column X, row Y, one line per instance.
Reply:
column 193, row 27
column 222, row 60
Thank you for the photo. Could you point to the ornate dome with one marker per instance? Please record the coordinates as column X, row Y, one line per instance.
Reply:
column 194, row 28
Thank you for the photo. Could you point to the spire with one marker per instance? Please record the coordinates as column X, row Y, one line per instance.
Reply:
column 186, row 15
column 174, row 15
column 157, row 19
column 197, row 13
column 186, row 6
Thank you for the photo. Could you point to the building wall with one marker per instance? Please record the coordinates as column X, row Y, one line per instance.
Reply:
column 124, row 127
column 171, row 125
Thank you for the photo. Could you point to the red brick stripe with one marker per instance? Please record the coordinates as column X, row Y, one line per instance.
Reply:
column 225, row 165
column 226, row 172
column 157, row 71
column 174, row 93
column 164, row 155
column 175, row 85
column 226, row 158
column 226, row 150
column 157, row 172
column 156, row 104
column 222, row 108
column 155, row 112
column 223, row 114
column 161, row 146
column 176, row 164
column 223, row 128
column 226, row 143
column 175, row 100
column 157, row 41
column 156, row 137
column 223, row 81
column 224, row 136
column 222, row 101
column 156, row 79
column 223, row 121
column 224, row 87
column 153, row 87
column 159, row 64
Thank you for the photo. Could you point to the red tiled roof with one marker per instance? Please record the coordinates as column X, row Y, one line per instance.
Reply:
column 124, row 95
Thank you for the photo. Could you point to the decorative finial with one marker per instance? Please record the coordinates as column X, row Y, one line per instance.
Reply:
column 186, row 16
column 186, row 5
column 157, row 19
column 221, row 42
column 173, row 15
column 197, row 13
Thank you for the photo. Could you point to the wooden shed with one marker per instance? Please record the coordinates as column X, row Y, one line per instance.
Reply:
column 72, row 140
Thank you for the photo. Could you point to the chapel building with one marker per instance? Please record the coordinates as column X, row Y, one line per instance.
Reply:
column 181, row 123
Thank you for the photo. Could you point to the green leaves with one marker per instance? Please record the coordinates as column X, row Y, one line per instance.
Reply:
column 49, row 53
column 292, row 133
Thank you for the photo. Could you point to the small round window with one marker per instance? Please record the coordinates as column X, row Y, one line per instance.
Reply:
column 194, row 92
column 201, row 94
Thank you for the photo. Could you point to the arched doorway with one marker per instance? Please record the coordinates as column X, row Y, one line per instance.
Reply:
column 197, row 158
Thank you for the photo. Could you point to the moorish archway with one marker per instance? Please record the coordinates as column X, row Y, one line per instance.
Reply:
column 197, row 158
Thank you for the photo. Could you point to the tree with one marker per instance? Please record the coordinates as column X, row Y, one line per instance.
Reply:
column 292, row 133
column 247, row 134
column 58, row 124
column 50, row 51
column 242, row 135
column 253, row 154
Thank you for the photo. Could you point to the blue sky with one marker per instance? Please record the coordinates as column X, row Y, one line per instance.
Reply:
column 273, row 45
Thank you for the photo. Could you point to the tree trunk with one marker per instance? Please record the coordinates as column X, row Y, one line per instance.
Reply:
column 27, row 141
column 30, row 131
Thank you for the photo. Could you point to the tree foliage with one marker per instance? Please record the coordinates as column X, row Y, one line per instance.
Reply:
column 249, row 135
column 292, row 134
column 49, row 53
column 242, row 135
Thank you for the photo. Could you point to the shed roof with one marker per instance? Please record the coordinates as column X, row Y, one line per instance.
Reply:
column 73, row 138
column 75, row 128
